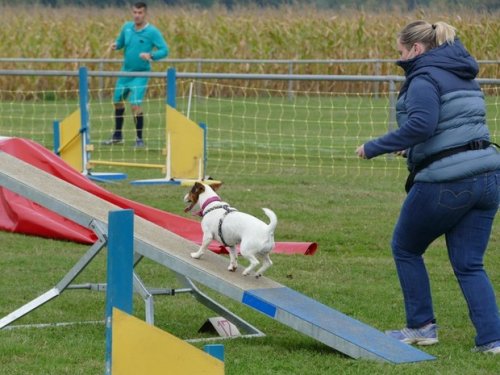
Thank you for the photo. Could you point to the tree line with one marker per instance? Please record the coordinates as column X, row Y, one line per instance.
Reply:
column 483, row 5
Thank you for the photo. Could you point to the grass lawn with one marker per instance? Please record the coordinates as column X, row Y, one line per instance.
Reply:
column 349, row 211
column 350, row 218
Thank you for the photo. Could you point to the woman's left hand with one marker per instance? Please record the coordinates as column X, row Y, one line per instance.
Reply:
column 360, row 151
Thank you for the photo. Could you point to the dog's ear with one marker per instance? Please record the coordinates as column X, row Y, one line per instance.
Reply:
column 216, row 187
column 198, row 188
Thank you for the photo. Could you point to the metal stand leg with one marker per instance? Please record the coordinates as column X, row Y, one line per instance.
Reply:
column 64, row 283
column 148, row 294
column 143, row 291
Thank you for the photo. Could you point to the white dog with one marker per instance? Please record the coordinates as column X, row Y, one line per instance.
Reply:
column 231, row 227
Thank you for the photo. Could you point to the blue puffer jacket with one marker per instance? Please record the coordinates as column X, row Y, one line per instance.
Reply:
column 440, row 106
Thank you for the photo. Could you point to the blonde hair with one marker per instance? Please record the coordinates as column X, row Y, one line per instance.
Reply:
column 430, row 35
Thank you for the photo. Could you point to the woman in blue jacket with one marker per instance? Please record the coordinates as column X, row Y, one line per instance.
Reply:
column 454, row 183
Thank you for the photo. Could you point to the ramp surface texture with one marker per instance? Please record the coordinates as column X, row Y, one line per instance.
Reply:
column 301, row 313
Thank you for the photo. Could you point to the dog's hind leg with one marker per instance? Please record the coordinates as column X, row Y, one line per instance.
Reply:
column 253, row 263
column 233, row 259
column 266, row 263
column 204, row 246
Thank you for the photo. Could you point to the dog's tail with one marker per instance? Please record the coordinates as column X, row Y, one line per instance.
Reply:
column 273, row 219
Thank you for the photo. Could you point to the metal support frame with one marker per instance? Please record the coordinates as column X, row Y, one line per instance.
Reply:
column 100, row 231
column 218, row 308
column 146, row 293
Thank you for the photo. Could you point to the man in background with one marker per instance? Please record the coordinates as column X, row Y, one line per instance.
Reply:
column 142, row 43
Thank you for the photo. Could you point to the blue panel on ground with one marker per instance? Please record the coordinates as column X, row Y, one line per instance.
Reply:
column 159, row 181
column 105, row 177
column 332, row 322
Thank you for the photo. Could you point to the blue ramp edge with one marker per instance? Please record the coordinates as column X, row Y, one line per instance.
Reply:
column 329, row 325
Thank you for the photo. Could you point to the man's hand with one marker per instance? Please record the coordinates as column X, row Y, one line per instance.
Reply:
column 111, row 47
column 146, row 56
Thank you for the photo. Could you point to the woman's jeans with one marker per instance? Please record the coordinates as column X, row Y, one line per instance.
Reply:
column 463, row 211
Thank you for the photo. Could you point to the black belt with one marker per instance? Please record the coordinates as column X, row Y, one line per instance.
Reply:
column 474, row 145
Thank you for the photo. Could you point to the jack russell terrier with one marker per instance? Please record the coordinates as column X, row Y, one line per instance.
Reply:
column 230, row 227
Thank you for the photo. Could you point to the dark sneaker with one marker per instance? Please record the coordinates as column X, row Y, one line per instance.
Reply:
column 113, row 141
column 426, row 335
column 491, row 348
column 139, row 143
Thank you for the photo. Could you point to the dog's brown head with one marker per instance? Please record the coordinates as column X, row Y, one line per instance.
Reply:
column 193, row 195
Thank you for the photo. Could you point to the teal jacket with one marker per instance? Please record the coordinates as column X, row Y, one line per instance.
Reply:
column 148, row 39
column 440, row 106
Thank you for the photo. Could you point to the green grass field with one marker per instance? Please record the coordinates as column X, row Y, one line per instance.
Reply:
column 264, row 134
column 351, row 219
column 350, row 214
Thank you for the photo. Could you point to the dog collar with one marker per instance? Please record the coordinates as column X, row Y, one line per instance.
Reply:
column 206, row 203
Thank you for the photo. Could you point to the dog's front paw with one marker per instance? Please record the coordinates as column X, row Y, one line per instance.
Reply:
column 196, row 255
column 232, row 268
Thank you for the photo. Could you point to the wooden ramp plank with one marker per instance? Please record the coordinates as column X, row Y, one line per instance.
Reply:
column 173, row 251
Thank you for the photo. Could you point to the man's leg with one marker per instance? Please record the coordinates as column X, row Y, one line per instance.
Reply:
column 120, row 94
column 119, row 118
column 138, row 90
column 139, row 120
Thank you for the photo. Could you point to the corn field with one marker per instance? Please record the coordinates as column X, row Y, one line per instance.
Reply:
column 285, row 33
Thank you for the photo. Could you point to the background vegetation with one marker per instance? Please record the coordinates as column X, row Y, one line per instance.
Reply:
column 489, row 5
column 245, row 33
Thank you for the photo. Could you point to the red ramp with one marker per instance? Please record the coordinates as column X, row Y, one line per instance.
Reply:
column 20, row 215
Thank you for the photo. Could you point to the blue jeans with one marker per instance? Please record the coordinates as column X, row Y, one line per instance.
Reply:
column 463, row 211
